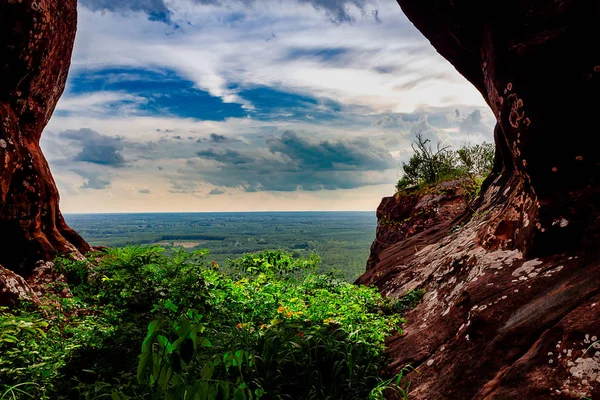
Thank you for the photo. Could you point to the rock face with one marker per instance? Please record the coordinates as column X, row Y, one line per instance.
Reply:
column 513, row 295
column 416, row 210
column 36, row 39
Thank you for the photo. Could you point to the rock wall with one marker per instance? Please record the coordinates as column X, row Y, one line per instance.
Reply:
column 415, row 210
column 36, row 41
column 511, row 309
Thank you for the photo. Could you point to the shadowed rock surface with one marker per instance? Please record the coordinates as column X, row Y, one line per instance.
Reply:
column 36, row 41
column 511, row 309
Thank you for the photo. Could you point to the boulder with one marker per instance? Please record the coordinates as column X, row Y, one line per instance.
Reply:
column 14, row 289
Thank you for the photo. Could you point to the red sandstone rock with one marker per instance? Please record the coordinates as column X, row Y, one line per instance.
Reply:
column 511, row 309
column 416, row 210
column 37, row 39
column 14, row 289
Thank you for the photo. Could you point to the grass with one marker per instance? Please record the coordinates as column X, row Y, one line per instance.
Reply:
column 147, row 323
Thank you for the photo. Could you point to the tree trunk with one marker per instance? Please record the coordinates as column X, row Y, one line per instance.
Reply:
column 37, row 41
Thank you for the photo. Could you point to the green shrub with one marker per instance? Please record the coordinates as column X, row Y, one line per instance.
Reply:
column 429, row 166
column 149, row 323
column 35, row 348
column 288, row 335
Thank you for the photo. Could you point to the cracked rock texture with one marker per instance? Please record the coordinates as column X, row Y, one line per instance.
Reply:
column 36, row 41
column 513, row 295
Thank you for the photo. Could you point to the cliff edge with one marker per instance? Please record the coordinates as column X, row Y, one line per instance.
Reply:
column 512, row 308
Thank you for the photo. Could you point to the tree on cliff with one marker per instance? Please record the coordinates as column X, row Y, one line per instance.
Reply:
column 429, row 166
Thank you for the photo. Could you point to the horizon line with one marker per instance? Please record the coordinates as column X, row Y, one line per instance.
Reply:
column 213, row 212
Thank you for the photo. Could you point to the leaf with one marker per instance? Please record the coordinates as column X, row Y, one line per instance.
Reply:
column 144, row 364
column 259, row 393
column 169, row 305
column 187, row 350
column 240, row 394
column 225, row 390
column 207, row 371
column 164, row 343
column 213, row 392
column 165, row 376
column 175, row 360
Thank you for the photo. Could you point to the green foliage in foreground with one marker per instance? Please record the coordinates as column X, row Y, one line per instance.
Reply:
column 150, row 324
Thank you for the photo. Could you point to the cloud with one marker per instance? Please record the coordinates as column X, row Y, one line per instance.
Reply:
column 327, row 55
column 96, row 148
column 473, row 123
column 290, row 162
column 99, row 103
column 216, row 138
column 148, row 72
column 338, row 11
column 222, row 52
column 144, row 191
column 94, row 179
column 215, row 192
column 151, row 7
column 329, row 155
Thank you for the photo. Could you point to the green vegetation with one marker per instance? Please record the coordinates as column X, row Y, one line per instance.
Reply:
column 146, row 323
column 428, row 166
column 341, row 239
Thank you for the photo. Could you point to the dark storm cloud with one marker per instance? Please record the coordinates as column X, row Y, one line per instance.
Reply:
column 216, row 138
column 337, row 10
column 291, row 162
column 96, row 148
column 330, row 155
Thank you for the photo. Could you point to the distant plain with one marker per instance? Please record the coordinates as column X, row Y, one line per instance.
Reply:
column 342, row 239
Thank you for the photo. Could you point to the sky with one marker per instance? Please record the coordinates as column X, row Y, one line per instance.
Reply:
column 248, row 105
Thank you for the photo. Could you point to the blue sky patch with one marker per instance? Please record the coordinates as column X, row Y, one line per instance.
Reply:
column 166, row 93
